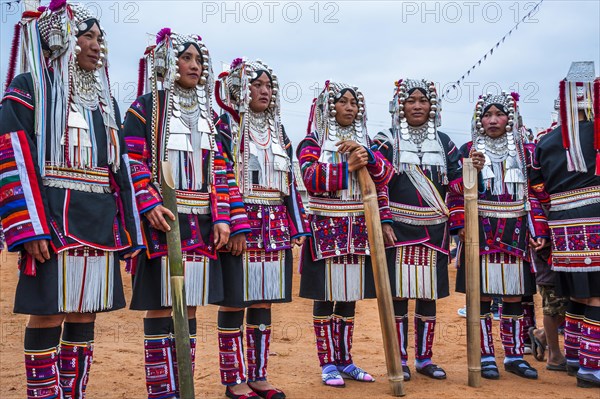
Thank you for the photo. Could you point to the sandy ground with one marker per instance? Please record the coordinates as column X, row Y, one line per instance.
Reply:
column 118, row 372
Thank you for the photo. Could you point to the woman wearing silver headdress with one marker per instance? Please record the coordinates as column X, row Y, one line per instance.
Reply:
column 67, row 195
column 508, row 215
column 425, row 163
column 335, row 265
column 174, row 122
column 566, row 175
column 258, row 269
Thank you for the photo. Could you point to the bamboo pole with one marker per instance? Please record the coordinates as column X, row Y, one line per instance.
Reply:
column 382, row 283
column 473, row 272
column 180, row 318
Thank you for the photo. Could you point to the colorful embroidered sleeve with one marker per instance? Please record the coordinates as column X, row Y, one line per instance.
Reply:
column 296, row 214
column 238, row 219
column 220, row 203
column 125, row 193
column 137, row 138
column 23, row 207
column 320, row 177
column 538, row 221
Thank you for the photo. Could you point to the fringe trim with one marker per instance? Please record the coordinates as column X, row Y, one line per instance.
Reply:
column 416, row 272
column 264, row 275
column 345, row 278
column 196, row 280
column 502, row 274
column 85, row 282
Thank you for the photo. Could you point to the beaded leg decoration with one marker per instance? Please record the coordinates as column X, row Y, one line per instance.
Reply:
column 343, row 331
column 588, row 375
column 424, row 335
column 489, row 368
column 160, row 374
column 41, row 368
column 573, row 323
column 528, row 320
column 231, row 357
column 402, row 332
column 192, row 329
column 326, row 351
column 258, row 340
column 75, row 360
column 511, row 333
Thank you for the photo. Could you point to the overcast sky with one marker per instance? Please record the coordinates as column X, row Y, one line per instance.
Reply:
column 368, row 44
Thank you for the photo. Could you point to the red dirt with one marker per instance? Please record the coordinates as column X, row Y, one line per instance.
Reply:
column 118, row 372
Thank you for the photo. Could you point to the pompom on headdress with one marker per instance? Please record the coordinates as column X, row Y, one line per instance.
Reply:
column 579, row 91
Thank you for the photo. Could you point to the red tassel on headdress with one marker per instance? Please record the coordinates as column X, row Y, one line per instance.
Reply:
column 311, row 116
column 141, row 76
column 596, row 100
column 221, row 103
column 563, row 116
column 12, row 64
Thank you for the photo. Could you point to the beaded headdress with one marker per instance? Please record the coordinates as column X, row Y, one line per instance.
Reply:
column 159, row 70
column 579, row 92
column 49, row 43
column 401, row 93
column 504, row 168
column 232, row 93
column 322, row 116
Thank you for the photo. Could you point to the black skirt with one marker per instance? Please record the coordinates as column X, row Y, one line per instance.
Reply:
column 580, row 285
column 232, row 269
column 313, row 279
column 148, row 284
column 38, row 295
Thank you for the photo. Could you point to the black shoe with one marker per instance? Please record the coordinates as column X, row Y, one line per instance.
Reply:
column 582, row 383
column 269, row 393
column 489, row 370
column 572, row 369
column 433, row 371
column 248, row 395
column 406, row 372
column 522, row 369
column 587, row 380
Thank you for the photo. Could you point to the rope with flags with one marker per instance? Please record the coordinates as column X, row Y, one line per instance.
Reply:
column 491, row 51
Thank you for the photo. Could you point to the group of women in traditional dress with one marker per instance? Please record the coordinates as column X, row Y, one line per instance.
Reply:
column 80, row 190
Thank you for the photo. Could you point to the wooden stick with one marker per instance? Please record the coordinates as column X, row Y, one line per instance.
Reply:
column 473, row 272
column 382, row 283
column 180, row 318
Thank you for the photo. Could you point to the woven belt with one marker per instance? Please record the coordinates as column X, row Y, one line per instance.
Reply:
column 416, row 215
column 89, row 180
column 263, row 196
column 574, row 198
column 334, row 207
column 191, row 202
column 501, row 210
